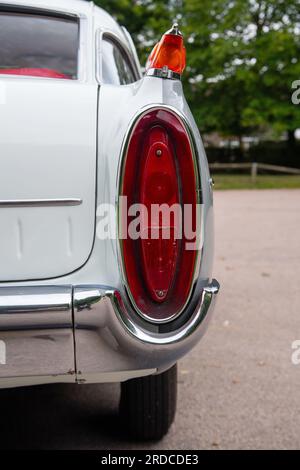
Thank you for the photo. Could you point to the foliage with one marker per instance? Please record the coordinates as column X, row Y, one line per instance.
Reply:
column 243, row 56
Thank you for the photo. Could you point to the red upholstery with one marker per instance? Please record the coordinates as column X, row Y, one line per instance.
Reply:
column 32, row 72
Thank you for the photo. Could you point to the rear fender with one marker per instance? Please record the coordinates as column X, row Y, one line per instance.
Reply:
column 118, row 107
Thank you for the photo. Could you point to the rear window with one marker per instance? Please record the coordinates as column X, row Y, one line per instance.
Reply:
column 37, row 45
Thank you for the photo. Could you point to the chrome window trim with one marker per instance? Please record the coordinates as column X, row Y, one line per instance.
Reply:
column 23, row 8
column 101, row 34
column 133, row 50
column 122, row 161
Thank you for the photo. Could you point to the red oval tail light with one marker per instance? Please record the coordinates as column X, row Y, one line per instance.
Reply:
column 159, row 174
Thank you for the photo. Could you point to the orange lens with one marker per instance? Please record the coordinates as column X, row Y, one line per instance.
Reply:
column 170, row 52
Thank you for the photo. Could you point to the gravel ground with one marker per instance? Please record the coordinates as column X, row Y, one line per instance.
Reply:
column 238, row 388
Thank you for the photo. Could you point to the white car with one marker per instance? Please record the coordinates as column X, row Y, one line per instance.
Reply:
column 98, row 281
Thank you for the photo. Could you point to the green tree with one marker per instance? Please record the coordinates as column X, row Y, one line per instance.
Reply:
column 242, row 55
column 243, row 58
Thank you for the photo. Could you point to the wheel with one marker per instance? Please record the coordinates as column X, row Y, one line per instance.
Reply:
column 148, row 405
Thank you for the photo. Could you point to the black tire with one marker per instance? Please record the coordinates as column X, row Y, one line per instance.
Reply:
column 148, row 405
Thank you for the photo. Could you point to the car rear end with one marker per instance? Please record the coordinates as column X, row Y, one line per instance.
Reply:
column 106, row 216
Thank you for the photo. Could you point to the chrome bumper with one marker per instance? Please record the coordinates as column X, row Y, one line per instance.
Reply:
column 47, row 330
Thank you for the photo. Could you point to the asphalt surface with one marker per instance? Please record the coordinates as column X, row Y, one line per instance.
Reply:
column 238, row 389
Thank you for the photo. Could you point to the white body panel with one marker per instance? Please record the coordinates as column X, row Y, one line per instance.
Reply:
column 48, row 151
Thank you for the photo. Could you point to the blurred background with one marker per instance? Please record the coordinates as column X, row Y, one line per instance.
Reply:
column 243, row 69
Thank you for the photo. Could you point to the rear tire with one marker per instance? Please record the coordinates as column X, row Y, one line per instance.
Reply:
column 148, row 405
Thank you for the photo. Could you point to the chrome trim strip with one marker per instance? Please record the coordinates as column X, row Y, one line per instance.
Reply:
column 33, row 300
column 124, row 149
column 6, row 203
column 164, row 73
